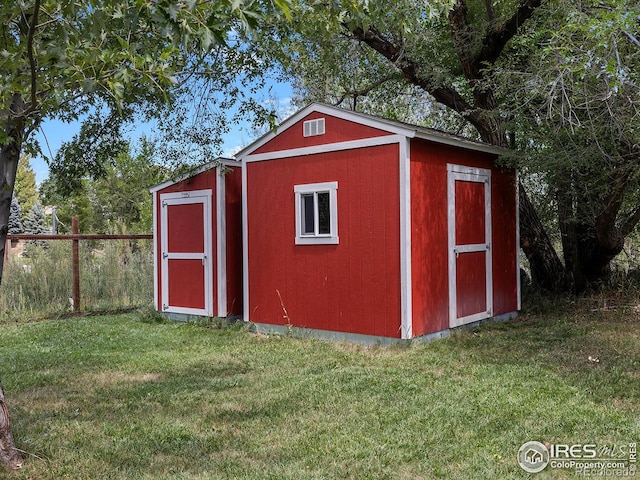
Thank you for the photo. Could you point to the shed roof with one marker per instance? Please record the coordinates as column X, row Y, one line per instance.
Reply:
column 228, row 162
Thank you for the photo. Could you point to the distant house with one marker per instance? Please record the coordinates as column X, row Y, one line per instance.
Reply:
column 361, row 228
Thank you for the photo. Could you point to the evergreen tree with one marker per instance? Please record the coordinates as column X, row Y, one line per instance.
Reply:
column 35, row 224
column 15, row 217
column 35, row 221
column 25, row 186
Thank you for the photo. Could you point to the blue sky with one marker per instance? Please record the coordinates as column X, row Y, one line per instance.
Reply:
column 54, row 132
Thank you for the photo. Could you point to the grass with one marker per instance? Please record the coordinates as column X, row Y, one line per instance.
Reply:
column 121, row 398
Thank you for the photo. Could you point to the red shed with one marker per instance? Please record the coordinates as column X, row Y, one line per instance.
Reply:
column 198, row 243
column 361, row 228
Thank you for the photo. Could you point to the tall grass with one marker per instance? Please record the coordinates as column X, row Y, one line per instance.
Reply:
column 114, row 274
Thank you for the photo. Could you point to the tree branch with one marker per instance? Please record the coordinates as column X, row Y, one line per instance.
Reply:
column 630, row 223
column 395, row 54
column 366, row 90
column 32, row 61
column 606, row 233
column 498, row 36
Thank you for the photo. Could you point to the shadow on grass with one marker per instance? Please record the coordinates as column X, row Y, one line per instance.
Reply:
column 596, row 350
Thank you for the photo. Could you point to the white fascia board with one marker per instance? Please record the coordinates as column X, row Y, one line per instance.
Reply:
column 227, row 162
column 391, row 126
column 459, row 142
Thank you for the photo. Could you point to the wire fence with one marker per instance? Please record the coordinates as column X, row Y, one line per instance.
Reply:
column 53, row 275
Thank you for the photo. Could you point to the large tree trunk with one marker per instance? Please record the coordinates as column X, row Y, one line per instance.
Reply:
column 9, row 456
column 590, row 244
column 14, row 129
column 547, row 270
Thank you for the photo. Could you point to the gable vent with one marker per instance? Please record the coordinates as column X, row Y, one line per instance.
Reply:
column 314, row 127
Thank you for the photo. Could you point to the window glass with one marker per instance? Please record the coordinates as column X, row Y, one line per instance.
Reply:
column 324, row 214
column 307, row 214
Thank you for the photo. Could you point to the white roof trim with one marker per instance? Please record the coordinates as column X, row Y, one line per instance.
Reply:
column 326, row 147
column 460, row 142
column 227, row 162
column 391, row 126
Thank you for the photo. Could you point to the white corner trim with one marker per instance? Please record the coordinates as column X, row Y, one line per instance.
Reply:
column 221, row 242
column 245, row 248
column 156, row 289
column 329, row 147
column 406, row 307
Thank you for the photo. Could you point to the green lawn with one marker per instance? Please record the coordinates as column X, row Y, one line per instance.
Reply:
column 115, row 397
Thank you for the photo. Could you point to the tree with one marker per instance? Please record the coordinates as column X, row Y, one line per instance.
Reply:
column 575, row 101
column 118, row 199
column 35, row 224
column 124, row 189
column 35, row 221
column 467, row 56
column 448, row 50
column 106, row 60
column 15, row 217
column 25, row 186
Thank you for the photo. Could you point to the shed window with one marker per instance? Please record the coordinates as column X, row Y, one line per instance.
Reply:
column 313, row 127
column 316, row 213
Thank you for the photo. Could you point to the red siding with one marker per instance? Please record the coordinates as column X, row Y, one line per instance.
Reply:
column 429, row 267
column 429, row 256
column 337, row 130
column 505, row 249
column 351, row 287
column 470, row 219
column 233, row 200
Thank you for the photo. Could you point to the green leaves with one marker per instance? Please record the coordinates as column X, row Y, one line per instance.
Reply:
column 118, row 53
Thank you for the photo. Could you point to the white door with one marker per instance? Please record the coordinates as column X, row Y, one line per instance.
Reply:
column 470, row 276
column 186, row 252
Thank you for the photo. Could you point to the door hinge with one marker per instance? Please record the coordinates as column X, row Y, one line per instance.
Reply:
column 165, row 306
column 164, row 255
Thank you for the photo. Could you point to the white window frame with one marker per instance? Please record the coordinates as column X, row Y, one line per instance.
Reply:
column 316, row 238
